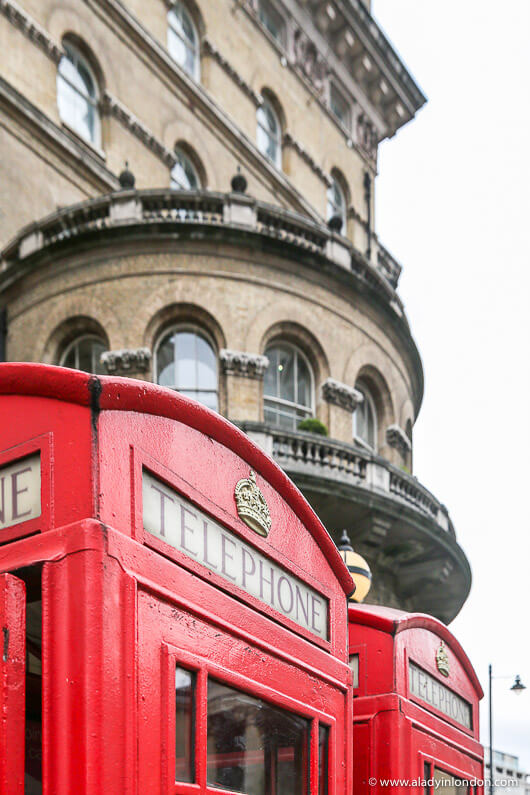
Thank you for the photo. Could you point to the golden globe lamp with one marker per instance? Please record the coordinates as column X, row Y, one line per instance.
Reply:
column 358, row 568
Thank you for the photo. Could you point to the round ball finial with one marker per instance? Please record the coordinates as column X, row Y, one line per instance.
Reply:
column 335, row 223
column 239, row 182
column 127, row 178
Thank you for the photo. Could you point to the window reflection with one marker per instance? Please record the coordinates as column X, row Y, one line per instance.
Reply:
column 288, row 387
column 186, row 361
column 323, row 756
column 254, row 747
column 185, row 741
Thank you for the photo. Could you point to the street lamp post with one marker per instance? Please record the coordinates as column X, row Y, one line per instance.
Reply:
column 516, row 688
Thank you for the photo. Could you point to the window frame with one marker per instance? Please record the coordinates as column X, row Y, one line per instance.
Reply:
column 193, row 47
column 335, row 91
column 184, row 158
column 75, row 342
column 199, row 332
column 266, row 9
column 275, row 137
column 330, row 203
column 204, row 669
column 73, row 54
column 281, row 402
column 368, row 397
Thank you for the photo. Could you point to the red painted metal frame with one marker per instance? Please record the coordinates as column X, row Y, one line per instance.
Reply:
column 42, row 444
column 99, row 570
column 12, row 684
column 395, row 732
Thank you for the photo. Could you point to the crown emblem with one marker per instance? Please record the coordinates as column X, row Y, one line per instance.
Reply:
column 442, row 660
column 251, row 505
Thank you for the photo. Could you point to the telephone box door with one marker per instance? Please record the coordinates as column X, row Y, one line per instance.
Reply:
column 12, row 684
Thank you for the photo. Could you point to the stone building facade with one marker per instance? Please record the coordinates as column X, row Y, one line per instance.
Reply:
column 235, row 257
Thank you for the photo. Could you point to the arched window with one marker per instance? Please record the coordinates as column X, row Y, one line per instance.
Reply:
column 288, row 386
column 183, row 40
column 365, row 419
column 336, row 205
column 269, row 135
column 185, row 360
column 184, row 174
column 84, row 353
column 77, row 95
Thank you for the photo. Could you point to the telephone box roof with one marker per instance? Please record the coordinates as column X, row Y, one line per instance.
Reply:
column 393, row 622
column 106, row 393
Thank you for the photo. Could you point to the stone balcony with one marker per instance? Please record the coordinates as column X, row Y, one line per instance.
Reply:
column 405, row 533
column 164, row 212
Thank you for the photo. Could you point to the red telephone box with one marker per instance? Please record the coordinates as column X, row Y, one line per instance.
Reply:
column 415, row 707
column 186, row 624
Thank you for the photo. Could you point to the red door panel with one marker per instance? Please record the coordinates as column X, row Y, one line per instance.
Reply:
column 12, row 684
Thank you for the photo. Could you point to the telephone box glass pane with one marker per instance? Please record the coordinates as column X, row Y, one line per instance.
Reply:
column 323, row 755
column 254, row 747
column 448, row 784
column 185, row 741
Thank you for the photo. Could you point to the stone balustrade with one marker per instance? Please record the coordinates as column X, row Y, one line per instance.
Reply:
column 158, row 209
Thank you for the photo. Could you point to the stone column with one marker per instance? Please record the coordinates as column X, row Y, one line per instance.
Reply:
column 342, row 400
column 131, row 362
column 243, row 374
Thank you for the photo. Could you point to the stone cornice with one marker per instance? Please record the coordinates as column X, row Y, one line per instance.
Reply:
column 396, row 437
column 31, row 29
column 211, row 50
column 341, row 394
column 288, row 140
column 125, row 361
column 250, row 365
column 115, row 108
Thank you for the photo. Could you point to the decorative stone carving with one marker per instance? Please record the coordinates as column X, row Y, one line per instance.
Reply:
column 251, row 365
column 309, row 61
column 21, row 20
column 126, row 361
column 366, row 135
column 288, row 140
column 341, row 394
column 114, row 107
column 211, row 50
column 396, row 437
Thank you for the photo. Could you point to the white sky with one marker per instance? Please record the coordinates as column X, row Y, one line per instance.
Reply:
column 453, row 207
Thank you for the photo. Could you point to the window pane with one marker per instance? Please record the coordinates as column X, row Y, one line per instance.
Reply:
column 323, row 756
column 271, row 373
column 165, row 359
column 84, row 354
column 339, row 106
column 77, row 95
column 272, row 20
column 183, row 175
column 185, row 360
column 184, row 741
column 206, row 365
column 254, row 747
column 286, row 374
column 448, row 784
column 182, row 39
column 303, row 396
